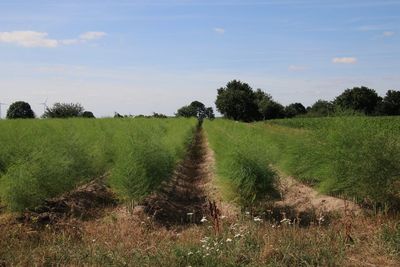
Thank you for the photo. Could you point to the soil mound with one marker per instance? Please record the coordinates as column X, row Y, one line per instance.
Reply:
column 83, row 202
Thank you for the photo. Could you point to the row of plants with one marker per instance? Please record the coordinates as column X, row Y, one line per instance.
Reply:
column 355, row 157
column 43, row 159
column 242, row 164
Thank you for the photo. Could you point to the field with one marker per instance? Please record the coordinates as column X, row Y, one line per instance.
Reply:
column 293, row 192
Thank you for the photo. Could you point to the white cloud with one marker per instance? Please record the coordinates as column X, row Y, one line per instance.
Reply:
column 219, row 30
column 40, row 39
column 92, row 35
column 297, row 68
column 28, row 39
column 388, row 34
column 344, row 60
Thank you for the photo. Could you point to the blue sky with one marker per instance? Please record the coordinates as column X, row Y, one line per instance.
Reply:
column 141, row 56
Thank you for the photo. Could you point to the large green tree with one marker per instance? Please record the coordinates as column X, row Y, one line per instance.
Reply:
column 237, row 101
column 321, row 108
column 64, row 110
column 390, row 104
column 295, row 109
column 360, row 99
column 195, row 109
column 20, row 110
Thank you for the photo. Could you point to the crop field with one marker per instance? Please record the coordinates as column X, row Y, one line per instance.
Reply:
column 42, row 159
column 290, row 192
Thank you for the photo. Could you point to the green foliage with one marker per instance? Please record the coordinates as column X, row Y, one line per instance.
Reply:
column 20, row 110
column 391, row 235
column 294, row 110
column 49, row 157
column 88, row 114
column 196, row 109
column 237, row 101
column 242, row 161
column 390, row 104
column 321, row 108
column 64, row 110
column 360, row 99
column 355, row 156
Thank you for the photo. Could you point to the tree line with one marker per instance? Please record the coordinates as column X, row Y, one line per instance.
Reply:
column 22, row 110
column 238, row 101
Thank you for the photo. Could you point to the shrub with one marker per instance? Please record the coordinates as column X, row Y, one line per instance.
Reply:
column 20, row 110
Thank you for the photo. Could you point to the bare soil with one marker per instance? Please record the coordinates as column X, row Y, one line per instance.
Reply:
column 183, row 198
column 86, row 201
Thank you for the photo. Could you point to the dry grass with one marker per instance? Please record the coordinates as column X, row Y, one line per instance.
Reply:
column 124, row 239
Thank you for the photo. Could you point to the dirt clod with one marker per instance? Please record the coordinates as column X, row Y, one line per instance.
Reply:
column 83, row 202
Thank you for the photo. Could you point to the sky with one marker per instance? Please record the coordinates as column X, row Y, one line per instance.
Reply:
column 139, row 57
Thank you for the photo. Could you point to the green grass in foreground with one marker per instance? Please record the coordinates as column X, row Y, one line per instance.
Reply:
column 44, row 158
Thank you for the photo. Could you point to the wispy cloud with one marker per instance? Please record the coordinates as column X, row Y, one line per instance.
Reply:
column 28, row 39
column 219, row 30
column 388, row 34
column 41, row 39
column 92, row 35
column 344, row 60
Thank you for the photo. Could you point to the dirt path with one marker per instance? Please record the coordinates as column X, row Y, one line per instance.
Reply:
column 303, row 197
column 183, row 199
column 305, row 205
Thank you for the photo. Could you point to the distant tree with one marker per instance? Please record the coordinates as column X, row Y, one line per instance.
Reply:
column 20, row 110
column 195, row 109
column 159, row 115
column 88, row 114
column 295, row 109
column 186, row 111
column 237, row 101
column 117, row 115
column 321, row 108
column 64, row 110
column 199, row 108
column 210, row 113
column 390, row 104
column 269, row 109
column 361, row 99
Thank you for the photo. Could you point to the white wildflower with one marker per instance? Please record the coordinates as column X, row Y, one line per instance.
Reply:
column 204, row 219
column 228, row 240
column 190, row 253
column 257, row 219
column 285, row 220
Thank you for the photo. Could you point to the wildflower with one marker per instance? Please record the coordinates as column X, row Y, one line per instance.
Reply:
column 257, row 219
column 203, row 219
column 247, row 213
column 285, row 220
column 228, row 240
column 238, row 235
column 190, row 253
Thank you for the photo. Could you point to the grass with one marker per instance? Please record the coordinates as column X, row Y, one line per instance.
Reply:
column 120, row 239
column 41, row 159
